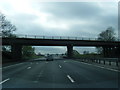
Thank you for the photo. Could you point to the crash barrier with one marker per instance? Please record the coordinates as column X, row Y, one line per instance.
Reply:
column 104, row 61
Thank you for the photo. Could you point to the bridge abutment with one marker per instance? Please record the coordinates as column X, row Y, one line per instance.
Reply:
column 109, row 52
column 70, row 51
column 16, row 52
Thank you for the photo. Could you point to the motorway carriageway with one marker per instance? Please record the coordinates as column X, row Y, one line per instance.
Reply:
column 64, row 73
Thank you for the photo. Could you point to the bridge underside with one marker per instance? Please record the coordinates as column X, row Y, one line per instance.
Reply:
column 17, row 43
column 107, row 51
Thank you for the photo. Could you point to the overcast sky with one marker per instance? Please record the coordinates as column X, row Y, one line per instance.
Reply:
column 81, row 19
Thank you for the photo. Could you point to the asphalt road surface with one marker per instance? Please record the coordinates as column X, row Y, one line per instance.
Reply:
column 64, row 73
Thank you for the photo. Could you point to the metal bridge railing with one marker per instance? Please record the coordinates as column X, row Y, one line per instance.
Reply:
column 55, row 37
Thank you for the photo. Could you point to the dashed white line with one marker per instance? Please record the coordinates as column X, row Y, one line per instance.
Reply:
column 60, row 66
column 28, row 67
column 4, row 81
column 40, row 75
column 70, row 79
column 35, row 81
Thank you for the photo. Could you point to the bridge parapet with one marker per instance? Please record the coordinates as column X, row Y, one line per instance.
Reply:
column 57, row 37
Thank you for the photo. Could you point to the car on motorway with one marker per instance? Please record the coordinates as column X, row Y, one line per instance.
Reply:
column 49, row 58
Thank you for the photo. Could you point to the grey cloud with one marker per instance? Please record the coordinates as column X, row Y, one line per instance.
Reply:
column 83, row 10
column 95, row 17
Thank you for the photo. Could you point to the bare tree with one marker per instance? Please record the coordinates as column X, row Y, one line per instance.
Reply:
column 107, row 35
column 6, row 30
column 6, row 27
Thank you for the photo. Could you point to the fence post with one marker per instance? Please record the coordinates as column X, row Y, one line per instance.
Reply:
column 116, row 63
column 99, row 61
column 96, row 61
column 109, row 62
column 104, row 62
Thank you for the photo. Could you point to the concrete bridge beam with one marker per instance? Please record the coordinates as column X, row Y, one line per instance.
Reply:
column 16, row 52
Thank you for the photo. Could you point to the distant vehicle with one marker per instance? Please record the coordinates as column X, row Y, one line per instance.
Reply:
column 49, row 58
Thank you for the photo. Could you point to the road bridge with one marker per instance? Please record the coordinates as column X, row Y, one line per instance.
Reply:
column 70, row 42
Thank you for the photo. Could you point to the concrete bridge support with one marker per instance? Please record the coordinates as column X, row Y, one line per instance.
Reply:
column 109, row 52
column 70, row 51
column 106, row 51
column 16, row 52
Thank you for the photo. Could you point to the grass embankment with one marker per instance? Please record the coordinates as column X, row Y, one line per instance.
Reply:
column 31, row 57
column 77, row 55
column 87, row 56
column 7, row 58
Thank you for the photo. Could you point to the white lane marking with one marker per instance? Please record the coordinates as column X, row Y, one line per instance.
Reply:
column 35, row 81
column 28, row 67
column 4, row 81
column 46, row 62
column 70, row 79
column 40, row 74
column 100, row 67
column 64, row 61
column 12, row 65
column 60, row 66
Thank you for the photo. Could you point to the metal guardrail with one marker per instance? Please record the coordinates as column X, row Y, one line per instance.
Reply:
column 104, row 60
column 56, row 37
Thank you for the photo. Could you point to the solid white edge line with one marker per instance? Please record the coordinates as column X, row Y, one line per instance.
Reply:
column 12, row 65
column 70, row 79
column 4, row 81
column 100, row 67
